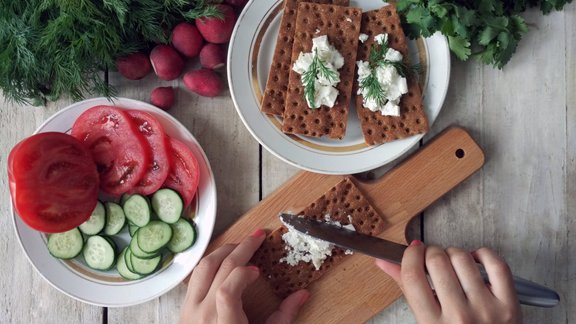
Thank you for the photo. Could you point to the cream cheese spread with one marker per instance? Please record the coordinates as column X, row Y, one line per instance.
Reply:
column 391, row 82
column 302, row 247
column 325, row 92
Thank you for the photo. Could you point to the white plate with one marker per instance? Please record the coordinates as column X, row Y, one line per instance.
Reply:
column 73, row 277
column 249, row 58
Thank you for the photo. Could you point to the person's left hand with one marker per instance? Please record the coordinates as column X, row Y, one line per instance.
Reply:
column 215, row 289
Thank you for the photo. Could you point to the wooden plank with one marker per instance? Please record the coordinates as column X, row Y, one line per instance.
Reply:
column 517, row 203
column 24, row 295
column 233, row 155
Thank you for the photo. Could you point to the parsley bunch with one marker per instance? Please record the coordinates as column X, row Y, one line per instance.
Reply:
column 488, row 30
column 51, row 48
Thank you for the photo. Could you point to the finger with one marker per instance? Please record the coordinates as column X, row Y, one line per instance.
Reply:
column 415, row 285
column 229, row 295
column 499, row 275
column 391, row 269
column 289, row 308
column 204, row 273
column 468, row 274
column 239, row 257
column 444, row 279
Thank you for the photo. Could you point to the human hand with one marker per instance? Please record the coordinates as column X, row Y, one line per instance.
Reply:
column 461, row 296
column 215, row 289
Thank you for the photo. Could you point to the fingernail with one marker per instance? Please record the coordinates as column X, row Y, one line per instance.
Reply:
column 259, row 233
column 253, row 268
column 415, row 243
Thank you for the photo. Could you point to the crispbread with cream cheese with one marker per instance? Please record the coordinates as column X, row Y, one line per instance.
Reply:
column 377, row 128
column 343, row 200
column 276, row 85
column 342, row 26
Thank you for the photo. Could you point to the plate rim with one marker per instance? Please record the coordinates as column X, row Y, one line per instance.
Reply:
column 211, row 209
column 442, row 48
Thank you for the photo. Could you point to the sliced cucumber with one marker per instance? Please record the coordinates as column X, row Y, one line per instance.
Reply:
column 123, row 269
column 137, row 210
column 115, row 218
column 153, row 236
column 145, row 266
column 96, row 222
column 184, row 236
column 132, row 229
column 128, row 259
column 124, row 197
column 66, row 245
column 168, row 205
column 137, row 251
column 99, row 253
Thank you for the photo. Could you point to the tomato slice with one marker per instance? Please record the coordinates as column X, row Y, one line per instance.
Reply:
column 53, row 182
column 119, row 149
column 184, row 172
column 159, row 166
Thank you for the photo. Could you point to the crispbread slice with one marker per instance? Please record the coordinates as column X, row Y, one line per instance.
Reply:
column 342, row 200
column 377, row 128
column 276, row 85
column 342, row 26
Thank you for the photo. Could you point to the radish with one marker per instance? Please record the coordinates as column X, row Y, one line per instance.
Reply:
column 204, row 82
column 166, row 62
column 162, row 97
column 134, row 66
column 212, row 56
column 215, row 30
column 186, row 39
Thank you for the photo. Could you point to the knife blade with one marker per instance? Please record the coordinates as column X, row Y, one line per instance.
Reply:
column 529, row 293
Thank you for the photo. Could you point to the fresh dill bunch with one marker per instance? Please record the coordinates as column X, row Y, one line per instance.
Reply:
column 377, row 58
column 55, row 48
column 317, row 68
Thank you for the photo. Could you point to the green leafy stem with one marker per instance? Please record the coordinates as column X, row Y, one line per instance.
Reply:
column 317, row 68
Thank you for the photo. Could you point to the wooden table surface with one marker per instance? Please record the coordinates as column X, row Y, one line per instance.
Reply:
column 522, row 202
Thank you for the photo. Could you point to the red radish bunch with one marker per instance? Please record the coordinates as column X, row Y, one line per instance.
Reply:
column 205, row 38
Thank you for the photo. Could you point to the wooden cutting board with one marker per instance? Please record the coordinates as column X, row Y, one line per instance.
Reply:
column 355, row 290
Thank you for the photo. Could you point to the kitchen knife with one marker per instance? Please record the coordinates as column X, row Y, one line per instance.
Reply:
column 529, row 293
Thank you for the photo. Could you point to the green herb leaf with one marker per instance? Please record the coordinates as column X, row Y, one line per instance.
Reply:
column 460, row 47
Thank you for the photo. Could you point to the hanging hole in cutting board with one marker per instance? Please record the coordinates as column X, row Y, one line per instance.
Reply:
column 459, row 153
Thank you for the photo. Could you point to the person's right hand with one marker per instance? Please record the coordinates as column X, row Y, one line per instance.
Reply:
column 460, row 295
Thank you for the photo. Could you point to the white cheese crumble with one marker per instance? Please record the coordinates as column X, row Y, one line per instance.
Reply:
column 325, row 93
column 348, row 19
column 317, row 31
column 302, row 247
column 393, row 84
column 363, row 37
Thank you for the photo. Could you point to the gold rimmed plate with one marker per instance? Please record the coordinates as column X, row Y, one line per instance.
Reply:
column 249, row 59
column 108, row 288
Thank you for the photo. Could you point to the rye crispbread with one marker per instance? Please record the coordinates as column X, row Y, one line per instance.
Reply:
column 276, row 85
column 342, row 26
column 377, row 128
column 342, row 200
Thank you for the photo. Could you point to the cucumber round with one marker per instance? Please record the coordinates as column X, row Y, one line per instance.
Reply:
column 115, row 218
column 168, row 205
column 137, row 210
column 184, row 236
column 123, row 269
column 145, row 266
column 66, row 245
column 98, row 253
column 137, row 251
column 95, row 224
column 153, row 236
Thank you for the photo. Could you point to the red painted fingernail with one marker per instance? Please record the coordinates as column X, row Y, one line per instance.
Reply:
column 259, row 233
column 415, row 243
column 253, row 268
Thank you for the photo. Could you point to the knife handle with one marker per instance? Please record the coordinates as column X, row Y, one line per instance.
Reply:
column 530, row 293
